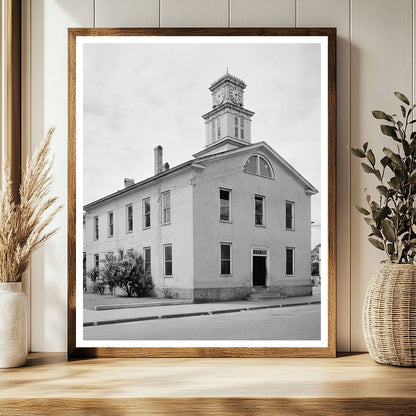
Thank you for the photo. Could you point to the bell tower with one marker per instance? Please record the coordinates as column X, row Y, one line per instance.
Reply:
column 228, row 121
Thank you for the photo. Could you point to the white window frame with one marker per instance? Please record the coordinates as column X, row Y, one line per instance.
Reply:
column 144, row 214
column 258, row 167
column 127, row 218
column 230, row 204
column 263, row 206
column 144, row 257
column 163, row 196
column 231, row 259
column 110, row 224
column 164, row 260
column 96, row 228
column 292, row 204
column 293, row 261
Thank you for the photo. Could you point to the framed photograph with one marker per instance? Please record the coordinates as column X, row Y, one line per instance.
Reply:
column 202, row 186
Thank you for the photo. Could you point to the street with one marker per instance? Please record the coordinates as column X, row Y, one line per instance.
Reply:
column 288, row 323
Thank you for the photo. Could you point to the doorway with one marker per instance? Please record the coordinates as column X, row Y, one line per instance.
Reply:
column 259, row 269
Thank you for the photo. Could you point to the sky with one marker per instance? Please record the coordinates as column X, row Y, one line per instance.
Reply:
column 137, row 96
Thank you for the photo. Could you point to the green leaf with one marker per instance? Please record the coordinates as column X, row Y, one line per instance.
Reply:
column 412, row 176
column 370, row 157
column 376, row 231
column 362, row 210
column 413, row 121
column 376, row 243
column 393, row 156
column 381, row 115
column 403, row 111
column 367, row 168
column 406, row 147
column 365, row 145
column 388, row 230
column 370, row 221
column 357, row 152
column 382, row 189
column 389, row 131
column 382, row 214
column 385, row 161
column 378, row 174
column 394, row 182
column 390, row 248
column 402, row 97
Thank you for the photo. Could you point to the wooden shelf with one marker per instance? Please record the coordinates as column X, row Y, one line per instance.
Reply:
column 347, row 385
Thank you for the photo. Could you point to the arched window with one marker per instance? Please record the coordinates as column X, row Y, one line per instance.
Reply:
column 258, row 165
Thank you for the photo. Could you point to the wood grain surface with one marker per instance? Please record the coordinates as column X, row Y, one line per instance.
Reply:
column 329, row 351
column 347, row 385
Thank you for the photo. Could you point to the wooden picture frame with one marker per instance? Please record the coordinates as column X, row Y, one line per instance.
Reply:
column 75, row 349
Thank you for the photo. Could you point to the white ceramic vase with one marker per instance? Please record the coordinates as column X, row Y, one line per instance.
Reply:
column 13, row 325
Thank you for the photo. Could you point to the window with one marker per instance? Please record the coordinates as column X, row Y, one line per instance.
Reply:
column 258, row 165
column 259, row 210
column 236, row 127
column 96, row 230
column 242, row 128
column 166, row 207
column 213, row 129
column 96, row 260
column 147, row 253
column 167, row 260
column 110, row 254
column 290, row 261
column 225, row 205
column 121, row 253
column 146, row 213
column 218, row 128
column 225, row 259
column 110, row 221
column 129, row 252
column 290, row 215
column 129, row 218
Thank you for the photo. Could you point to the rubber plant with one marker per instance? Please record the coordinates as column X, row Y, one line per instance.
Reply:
column 391, row 216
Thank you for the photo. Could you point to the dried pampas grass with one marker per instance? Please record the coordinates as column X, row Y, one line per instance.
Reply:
column 23, row 225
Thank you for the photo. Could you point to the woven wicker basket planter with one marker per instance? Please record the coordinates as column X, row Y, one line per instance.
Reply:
column 389, row 317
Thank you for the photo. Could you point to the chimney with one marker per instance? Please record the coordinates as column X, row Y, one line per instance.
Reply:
column 166, row 167
column 128, row 182
column 158, row 159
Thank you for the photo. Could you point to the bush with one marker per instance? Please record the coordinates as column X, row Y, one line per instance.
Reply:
column 128, row 273
column 98, row 287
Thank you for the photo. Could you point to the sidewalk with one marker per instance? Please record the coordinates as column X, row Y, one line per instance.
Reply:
column 105, row 317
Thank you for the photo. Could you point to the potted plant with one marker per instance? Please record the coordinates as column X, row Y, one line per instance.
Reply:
column 389, row 318
column 23, row 229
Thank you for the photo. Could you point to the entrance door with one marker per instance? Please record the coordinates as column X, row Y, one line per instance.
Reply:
column 259, row 270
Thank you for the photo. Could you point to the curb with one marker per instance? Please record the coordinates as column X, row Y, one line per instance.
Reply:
column 140, row 305
column 190, row 314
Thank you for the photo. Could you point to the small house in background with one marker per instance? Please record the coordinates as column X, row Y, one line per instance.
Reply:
column 234, row 219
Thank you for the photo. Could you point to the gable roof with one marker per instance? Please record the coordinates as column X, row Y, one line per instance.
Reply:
column 197, row 163
column 276, row 156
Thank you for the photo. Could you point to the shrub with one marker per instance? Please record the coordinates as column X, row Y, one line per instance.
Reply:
column 128, row 273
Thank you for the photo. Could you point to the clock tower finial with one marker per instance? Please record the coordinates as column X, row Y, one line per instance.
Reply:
column 228, row 120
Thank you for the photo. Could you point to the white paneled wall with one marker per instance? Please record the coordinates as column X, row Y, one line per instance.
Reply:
column 376, row 57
